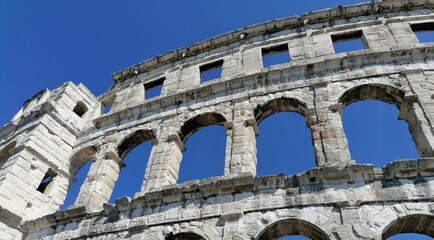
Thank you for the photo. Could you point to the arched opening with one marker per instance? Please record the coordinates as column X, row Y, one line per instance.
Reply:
column 279, row 105
column 205, row 144
column 292, row 229
column 135, row 151
column 284, row 143
column 200, row 121
column 185, row 236
column 134, row 140
column 80, row 109
column 375, row 135
column 410, row 236
column 417, row 223
column 74, row 189
column 79, row 168
column 131, row 176
column 5, row 153
column 372, row 128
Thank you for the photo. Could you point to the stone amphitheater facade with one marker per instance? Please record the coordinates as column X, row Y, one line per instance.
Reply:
column 56, row 132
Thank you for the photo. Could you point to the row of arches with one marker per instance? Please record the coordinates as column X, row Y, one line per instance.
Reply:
column 219, row 127
column 415, row 227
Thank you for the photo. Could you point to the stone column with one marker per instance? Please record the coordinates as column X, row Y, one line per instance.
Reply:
column 418, row 111
column 328, row 136
column 242, row 137
column 100, row 181
column 164, row 162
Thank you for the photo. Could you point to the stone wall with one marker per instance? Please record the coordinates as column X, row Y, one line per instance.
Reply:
column 56, row 132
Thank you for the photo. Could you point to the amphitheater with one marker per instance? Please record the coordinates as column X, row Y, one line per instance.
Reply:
column 56, row 132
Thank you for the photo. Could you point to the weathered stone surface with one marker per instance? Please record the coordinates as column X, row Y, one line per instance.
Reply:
column 56, row 132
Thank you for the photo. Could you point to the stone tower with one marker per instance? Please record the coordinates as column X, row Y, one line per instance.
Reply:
column 56, row 132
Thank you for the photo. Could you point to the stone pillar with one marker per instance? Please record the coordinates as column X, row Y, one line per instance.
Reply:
column 418, row 111
column 164, row 162
column 328, row 136
column 100, row 181
column 242, row 137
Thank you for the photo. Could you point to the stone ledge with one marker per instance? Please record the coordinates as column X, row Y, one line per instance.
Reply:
column 310, row 183
column 303, row 70
column 60, row 217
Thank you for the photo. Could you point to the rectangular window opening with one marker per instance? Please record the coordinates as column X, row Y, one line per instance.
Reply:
column 46, row 181
column 348, row 42
column 275, row 55
column 424, row 31
column 106, row 105
column 211, row 71
column 153, row 89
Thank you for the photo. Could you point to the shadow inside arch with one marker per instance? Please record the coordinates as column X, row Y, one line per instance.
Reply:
column 133, row 140
column 292, row 227
column 279, row 105
column 380, row 92
column 416, row 223
column 197, row 122
column 185, row 236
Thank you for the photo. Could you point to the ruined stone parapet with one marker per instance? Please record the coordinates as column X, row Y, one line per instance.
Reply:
column 56, row 132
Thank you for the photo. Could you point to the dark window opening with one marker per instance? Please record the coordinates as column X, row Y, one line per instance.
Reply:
column 153, row 89
column 205, row 154
column 106, row 105
column 348, row 42
column 275, row 55
column 284, row 145
column 74, row 190
column 80, row 109
column 48, row 178
column 424, row 31
column 375, row 135
column 211, row 71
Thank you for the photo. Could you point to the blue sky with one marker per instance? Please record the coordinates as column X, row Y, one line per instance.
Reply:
column 45, row 43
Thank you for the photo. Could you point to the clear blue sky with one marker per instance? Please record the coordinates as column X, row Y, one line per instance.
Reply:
column 45, row 43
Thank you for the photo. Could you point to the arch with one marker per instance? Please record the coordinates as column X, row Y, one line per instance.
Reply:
column 185, row 236
column 80, row 108
column 290, row 226
column 408, row 110
column 381, row 92
column 81, row 157
column 286, row 123
column 279, row 105
column 197, row 122
column 415, row 223
column 133, row 140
